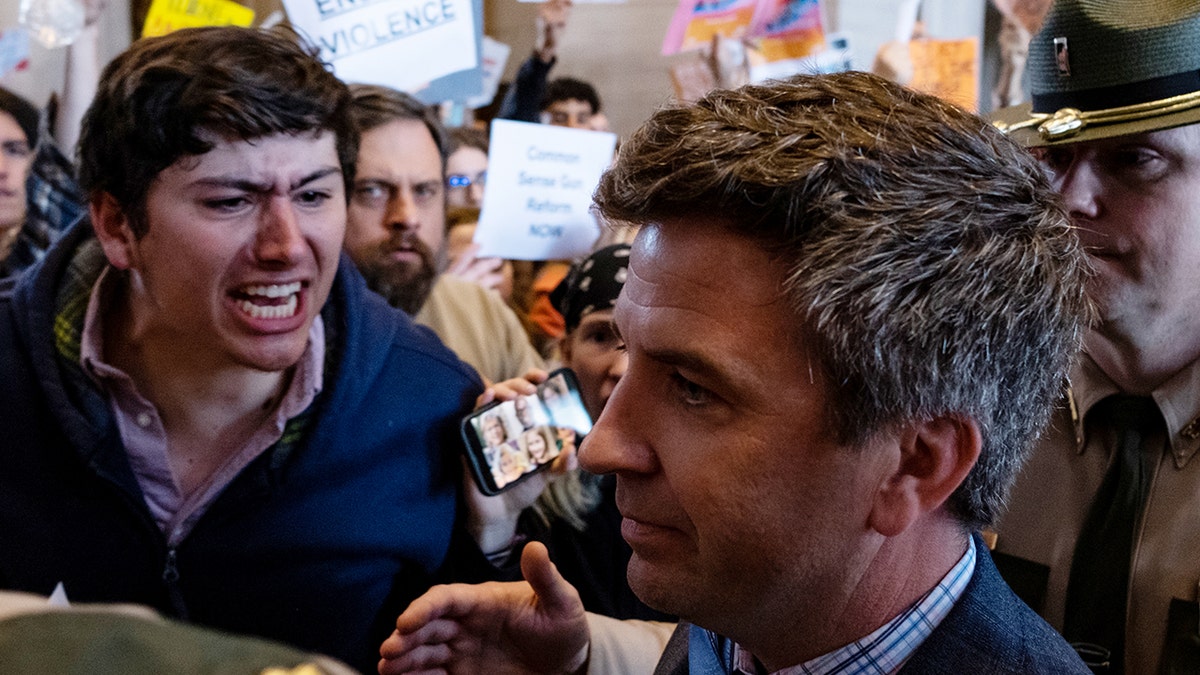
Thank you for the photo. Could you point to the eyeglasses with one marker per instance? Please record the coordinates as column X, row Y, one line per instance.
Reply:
column 462, row 181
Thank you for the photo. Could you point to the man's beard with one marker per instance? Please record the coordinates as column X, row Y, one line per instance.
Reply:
column 405, row 284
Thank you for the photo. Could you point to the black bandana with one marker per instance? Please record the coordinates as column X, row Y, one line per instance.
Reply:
column 592, row 284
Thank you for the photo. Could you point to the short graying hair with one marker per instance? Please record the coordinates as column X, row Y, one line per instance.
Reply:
column 933, row 270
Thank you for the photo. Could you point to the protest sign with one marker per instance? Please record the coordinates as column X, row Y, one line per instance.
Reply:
column 403, row 44
column 165, row 16
column 495, row 57
column 696, row 22
column 14, row 50
column 537, row 202
column 459, row 86
column 835, row 58
column 790, row 29
column 786, row 29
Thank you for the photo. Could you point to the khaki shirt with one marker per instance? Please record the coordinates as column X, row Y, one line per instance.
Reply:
column 625, row 647
column 477, row 326
column 1054, row 492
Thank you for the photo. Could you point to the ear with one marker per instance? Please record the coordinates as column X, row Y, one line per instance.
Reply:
column 935, row 457
column 113, row 230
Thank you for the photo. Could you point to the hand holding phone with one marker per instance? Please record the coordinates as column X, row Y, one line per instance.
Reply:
column 509, row 440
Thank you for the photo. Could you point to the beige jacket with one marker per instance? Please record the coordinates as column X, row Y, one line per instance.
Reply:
column 625, row 647
column 1054, row 493
column 477, row 326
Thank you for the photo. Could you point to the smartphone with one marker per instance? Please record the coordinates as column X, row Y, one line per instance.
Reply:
column 510, row 440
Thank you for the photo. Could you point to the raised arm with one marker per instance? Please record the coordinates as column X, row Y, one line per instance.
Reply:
column 523, row 100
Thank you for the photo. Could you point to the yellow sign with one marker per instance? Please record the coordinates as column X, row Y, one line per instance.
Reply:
column 166, row 16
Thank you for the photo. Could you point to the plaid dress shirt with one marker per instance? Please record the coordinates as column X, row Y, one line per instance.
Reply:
column 887, row 648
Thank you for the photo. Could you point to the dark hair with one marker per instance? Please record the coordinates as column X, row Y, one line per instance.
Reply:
column 23, row 112
column 164, row 98
column 374, row 106
column 466, row 137
column 933, row 269
column 565, row 88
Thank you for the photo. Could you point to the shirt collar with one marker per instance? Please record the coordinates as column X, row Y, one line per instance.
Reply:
column 887, row 648
column 302, row 390
column 1177, row 400
column 91, row 339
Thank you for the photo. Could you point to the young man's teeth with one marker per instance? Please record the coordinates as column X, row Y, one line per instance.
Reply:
column 274, row 290
column 283, row 311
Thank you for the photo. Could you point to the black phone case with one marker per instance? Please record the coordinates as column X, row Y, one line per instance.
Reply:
column 476, row 461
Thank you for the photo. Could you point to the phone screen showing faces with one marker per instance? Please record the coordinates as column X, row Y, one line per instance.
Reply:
column 512, row 439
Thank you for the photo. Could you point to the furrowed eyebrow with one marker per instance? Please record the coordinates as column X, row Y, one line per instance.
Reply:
column 251, row 186
column 316, row 176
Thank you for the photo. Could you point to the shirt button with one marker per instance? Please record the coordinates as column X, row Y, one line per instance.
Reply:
column 144, row 420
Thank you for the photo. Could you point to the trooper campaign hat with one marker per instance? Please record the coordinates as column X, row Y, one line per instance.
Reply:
column 1105, row 68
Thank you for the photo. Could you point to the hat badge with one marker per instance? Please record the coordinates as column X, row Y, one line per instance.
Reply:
column 1061, row 56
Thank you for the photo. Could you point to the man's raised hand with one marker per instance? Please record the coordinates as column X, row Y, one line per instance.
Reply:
column 534, row 626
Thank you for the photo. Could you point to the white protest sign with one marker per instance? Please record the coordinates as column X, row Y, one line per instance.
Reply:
column 495, row 56
column 539, row 191
column 398, row 43
column 14, row 50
